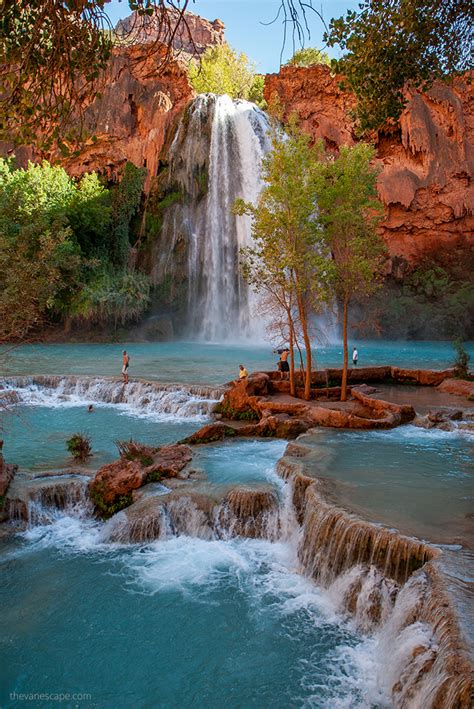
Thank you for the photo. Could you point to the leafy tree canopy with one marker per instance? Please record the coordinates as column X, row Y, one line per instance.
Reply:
column 308, row 56
column 390, row 44
column 63, row 249
column 223, row 71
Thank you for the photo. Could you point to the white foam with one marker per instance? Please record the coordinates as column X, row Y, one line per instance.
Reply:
column 138, row 399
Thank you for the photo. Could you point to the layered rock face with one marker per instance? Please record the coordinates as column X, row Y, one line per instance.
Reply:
column 192, row 36
column 426, row 160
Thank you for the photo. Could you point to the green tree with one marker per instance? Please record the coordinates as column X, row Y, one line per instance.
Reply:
column 391, row 45
column 125, row 203
column 89, row 215
column 349, row 212
column 308, row 56
column 290, row 259
column 222, row 71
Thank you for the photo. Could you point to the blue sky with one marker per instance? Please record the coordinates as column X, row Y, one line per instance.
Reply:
column 244, row 31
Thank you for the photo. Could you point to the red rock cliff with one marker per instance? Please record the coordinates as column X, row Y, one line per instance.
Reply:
column 427, row 159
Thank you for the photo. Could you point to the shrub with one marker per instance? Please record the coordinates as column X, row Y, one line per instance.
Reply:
column 133, row 450
column 461, row 363
column 309, row 56
column 79, row 446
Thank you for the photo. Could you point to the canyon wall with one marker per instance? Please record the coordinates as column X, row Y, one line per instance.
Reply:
column 426, row 159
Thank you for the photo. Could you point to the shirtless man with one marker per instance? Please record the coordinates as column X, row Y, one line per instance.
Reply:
column 126, row 361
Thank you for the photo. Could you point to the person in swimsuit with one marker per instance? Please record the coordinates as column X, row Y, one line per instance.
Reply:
column 126, row 362
column 283, row 364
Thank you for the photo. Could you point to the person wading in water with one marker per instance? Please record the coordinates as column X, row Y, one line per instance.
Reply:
column 126, row 362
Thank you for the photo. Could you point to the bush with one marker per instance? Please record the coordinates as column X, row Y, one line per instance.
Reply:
column 309, row 56
column 79, row 446
column 133, row 450
column 461, row 363
column 111, row 296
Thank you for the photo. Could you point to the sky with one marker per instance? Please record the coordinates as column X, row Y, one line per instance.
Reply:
column 244, row 31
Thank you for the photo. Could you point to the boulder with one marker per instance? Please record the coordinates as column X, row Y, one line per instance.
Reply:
column 210, row 433
column 459, row 387
column 285, row 426
column 441, row 415
column 111, row 489
column 169, row 461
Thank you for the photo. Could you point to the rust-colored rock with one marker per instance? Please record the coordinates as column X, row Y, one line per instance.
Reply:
column 426, row 159
column 191, row 38
column 116, row 480
column 169, row 461
column 113, row 484
column 210, row 433
column 460, row 387
column 129, row 121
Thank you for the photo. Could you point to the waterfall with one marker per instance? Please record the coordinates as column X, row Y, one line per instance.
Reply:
column 193, row 402
column 214, row 159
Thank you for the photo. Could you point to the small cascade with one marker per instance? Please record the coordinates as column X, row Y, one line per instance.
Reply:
column 153, row 398
column 142, row 522
column 334, row 541
column 214, row 159
column 41, row 500
column 248, row 512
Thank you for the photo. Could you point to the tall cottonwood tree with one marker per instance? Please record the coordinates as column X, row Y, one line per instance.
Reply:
column 290, row 256
column 349, row 212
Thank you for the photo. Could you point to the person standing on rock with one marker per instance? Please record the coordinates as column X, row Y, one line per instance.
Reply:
column 243, row 374
column 283, row 364
column 126, row 362
column 355, row 357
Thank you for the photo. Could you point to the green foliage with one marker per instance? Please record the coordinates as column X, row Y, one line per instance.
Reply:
column 79, row 446
column 349, row 212
column 133, row 450
column 389, row 45
column 228, row 412
column 430, row 303
column 125, row 203
column 111, row 296
column 222, row 71
column 55, row 239
column 39, row 260
column 104, row 509
column 308, row 56
column 462, row 361
column 89, row 215
column 289, row 265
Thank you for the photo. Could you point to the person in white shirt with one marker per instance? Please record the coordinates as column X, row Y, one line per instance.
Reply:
column 355, row 357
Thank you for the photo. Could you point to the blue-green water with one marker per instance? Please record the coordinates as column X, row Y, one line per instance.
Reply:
column 185, row 622
column 205, row 363
column 182, row 622
column 35, row 436
column 420, row 481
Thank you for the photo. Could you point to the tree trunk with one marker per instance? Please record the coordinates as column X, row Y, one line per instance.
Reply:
column 292, row 362
column 344, row 337
column 307, row 346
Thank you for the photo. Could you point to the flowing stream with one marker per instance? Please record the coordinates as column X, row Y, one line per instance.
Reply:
column 252, row 583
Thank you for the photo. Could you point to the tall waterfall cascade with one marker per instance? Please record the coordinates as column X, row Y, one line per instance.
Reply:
column 214, row 159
